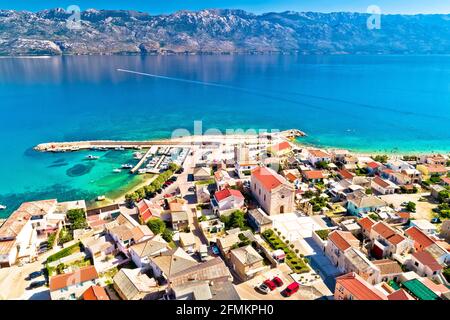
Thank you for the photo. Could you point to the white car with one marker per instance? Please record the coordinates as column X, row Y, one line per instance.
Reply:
column 263, row 288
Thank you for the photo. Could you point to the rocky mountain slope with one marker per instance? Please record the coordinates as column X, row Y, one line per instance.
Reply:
column 219, row 31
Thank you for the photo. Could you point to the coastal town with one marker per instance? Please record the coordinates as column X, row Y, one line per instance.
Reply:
column 239, row 217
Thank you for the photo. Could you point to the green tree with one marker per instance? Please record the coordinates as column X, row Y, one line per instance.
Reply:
column 167, row 235
column 156, row 225
column 381, row 158
column 131, row 199
column 60, row 268
column 443, row 196
column 321, row 165
column 411, row 206
column 75, row 214
column 173, row 167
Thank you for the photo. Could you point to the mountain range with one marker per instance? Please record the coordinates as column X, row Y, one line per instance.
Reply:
column 219, row 32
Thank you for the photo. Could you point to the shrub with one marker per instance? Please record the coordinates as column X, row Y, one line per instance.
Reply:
column 323, row 234
column 156, row 225
column 65, row 252
column 51, row 240
column 167, row 235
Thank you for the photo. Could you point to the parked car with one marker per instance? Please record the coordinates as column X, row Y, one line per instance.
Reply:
column 36, row 284
column 35, row 275
column 290, row 289
column 278, row 282
column 263, row 288
column 435, row 220
column 181, row 170
column 215, row 250
column 269, row 283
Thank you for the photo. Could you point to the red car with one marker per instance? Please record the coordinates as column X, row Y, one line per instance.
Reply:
column 270, row 284
column 278, row 282
column 290, row 289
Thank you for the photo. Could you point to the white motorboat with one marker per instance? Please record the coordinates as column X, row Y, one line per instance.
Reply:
column 91, row 157
column 117, row 171
column 2, row 207
column 101, row 198
column 137, row 155
column 127, row 166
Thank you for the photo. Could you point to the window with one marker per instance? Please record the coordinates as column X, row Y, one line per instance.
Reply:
column 416, row 264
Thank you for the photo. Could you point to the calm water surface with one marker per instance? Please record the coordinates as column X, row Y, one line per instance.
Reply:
column 378, row 103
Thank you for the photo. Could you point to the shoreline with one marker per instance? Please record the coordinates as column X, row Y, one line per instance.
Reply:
column 117, row 195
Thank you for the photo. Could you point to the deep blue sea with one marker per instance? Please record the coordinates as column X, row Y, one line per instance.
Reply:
column 367, row 103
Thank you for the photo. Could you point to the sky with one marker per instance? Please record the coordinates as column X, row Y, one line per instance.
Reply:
column 255, row 6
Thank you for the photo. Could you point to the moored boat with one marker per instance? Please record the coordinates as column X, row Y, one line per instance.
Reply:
column 91, row 157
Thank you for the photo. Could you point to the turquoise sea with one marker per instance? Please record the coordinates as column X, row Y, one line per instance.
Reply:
column 367, row 103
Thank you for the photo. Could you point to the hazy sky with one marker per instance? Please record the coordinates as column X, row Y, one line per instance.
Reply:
column 257, row 6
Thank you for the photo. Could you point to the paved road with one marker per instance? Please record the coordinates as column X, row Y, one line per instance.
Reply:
column 13, row 281
column 322, row 265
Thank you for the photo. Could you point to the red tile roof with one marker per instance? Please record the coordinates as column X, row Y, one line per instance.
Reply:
column 359, row 289
column 436, row 169
column 267, row 177
column 146, row 209
column 446, row 180
column 381, row 182
column 427, row 259
column 396, row 239
column 400, row 295
column 291, row 177
column 95, row 293
column 404, row 214
column 69, row 279
column 419, row 237
column 281, row 146
column 318, row 154
column 342, row 239
column 366, row 223
column 225, row 193
column 383, row 230
column 313, row 174
column 345, row 174
column 373, row 165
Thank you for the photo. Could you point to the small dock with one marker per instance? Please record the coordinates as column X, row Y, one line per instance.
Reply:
column 142, row 161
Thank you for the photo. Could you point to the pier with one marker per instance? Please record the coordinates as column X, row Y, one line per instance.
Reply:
column 186, row 141
column 105, row 144
column 141, row 162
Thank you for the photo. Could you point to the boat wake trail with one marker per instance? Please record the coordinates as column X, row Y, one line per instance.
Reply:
column 260, row 93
